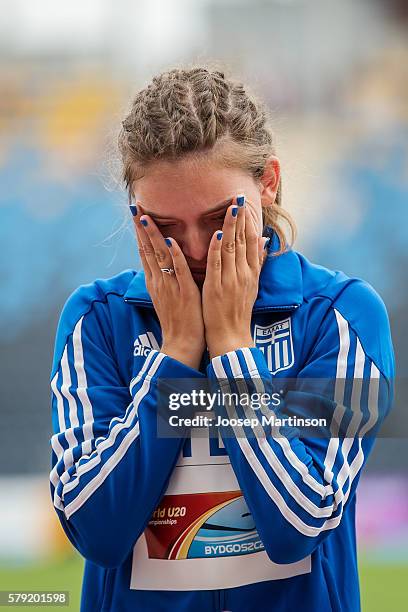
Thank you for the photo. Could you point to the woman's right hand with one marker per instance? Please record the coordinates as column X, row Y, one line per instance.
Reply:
column 176, row 298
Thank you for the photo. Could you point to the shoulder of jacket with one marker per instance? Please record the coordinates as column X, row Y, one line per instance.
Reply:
column 365, row 312
column 356, row 301
column 81, row 301
column 363, row 309
column 349, row 293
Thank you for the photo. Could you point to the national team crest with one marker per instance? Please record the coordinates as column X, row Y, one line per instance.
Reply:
column 275, row 341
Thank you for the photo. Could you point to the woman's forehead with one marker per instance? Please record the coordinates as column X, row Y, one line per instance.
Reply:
column 182, row 189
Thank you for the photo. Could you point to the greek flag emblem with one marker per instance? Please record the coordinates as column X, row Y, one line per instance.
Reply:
column 275, row 341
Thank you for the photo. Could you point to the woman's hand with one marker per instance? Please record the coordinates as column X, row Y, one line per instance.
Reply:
column 176, row 298
column 234, row 262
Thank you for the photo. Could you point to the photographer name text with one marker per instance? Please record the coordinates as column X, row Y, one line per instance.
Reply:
column 202, row 420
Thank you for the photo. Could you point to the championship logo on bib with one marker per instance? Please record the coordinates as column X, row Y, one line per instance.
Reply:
column 275, row 341
column 204, row 525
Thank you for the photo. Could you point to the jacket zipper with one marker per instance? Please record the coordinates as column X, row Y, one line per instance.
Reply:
column 277, row 308
column 146, row 304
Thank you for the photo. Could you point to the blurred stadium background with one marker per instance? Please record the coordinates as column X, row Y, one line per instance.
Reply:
column 335, row 75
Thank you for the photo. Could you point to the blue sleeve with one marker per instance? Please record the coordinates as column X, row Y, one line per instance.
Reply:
column 109, row 466
column 297, row 488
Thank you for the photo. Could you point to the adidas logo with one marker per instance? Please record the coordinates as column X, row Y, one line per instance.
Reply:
column 144, row 343
column 141, row 351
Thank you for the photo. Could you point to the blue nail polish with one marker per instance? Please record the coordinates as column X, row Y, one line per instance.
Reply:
column 234, row 211
column 143, row 222
column 240, row 200
column 168, row 242
column 266, row 243
column 133, row 209
column 219, row 235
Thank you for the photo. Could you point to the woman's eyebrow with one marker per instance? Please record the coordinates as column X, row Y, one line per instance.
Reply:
column 218, row 207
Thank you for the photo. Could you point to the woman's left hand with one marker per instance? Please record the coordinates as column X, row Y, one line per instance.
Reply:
column 230, row 288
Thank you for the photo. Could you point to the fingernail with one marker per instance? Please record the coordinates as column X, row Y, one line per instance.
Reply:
column 133, row 209
column 168, row 242
column 234, row 211
column 240, row 200
column 219, row 235
column 267, row 242
column 143, row 222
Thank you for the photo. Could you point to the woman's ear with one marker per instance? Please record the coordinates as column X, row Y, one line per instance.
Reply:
column 270, row 181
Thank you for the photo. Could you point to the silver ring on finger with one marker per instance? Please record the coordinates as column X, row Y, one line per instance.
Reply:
column 167, row 270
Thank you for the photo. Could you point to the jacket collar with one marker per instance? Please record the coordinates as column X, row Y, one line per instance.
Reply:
column 280, row 281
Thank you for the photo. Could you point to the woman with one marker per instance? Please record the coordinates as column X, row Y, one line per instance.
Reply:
column 254, row 517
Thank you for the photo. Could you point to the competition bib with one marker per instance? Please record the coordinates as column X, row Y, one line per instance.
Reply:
column 202, row 535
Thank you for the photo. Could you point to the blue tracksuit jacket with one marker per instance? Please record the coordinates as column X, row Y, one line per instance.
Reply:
column 238, row 521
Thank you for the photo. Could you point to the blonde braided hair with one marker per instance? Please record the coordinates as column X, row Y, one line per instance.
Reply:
column 197, row 110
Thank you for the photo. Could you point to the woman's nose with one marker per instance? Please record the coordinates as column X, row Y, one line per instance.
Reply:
column 195, row 245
